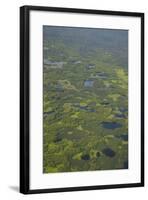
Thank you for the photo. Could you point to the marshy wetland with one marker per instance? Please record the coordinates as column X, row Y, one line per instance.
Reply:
column 85, row 99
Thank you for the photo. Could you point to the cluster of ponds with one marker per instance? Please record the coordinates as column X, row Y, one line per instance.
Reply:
column 109, row 125
column 107, row 152
column 89, row 82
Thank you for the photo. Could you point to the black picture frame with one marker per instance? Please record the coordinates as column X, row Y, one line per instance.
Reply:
column 25, row 93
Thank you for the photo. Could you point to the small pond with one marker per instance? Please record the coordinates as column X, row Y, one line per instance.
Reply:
column 85, row 157
column 90, row 66
column 77, row 62
column 91, row 110
column 86, row 108
column 108, row 152
column 58, row 137
column 111, row 125
column 83, row 107
column 120, row 115
column 98, row 154
column 88, row 83
column 101, row 75
column 105, row 103
column 123, row 109
column 54, row 64
column 123, row 137
column 48, row 113
column 59, row 88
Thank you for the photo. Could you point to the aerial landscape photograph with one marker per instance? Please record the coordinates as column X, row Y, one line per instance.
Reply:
column 85, row 99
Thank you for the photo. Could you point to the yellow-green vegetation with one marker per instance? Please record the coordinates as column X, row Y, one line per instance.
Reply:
column 67, row 85
column 85, row 100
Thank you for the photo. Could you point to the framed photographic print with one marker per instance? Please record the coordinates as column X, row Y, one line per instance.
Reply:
column 81, row 99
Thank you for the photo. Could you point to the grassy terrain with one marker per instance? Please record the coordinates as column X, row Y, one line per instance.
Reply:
column 85, row 102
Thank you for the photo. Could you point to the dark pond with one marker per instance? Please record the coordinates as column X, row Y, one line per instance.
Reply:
column 101, row 75
column 120, row 115
column 111, row 125
column 88, row 83
column 123, row 137
column 58, row 138
column 48, row 113
column 83, row 107
column 125, row 164
column 109, row 152
column 98, row 154
column 59, row 88
column 85, row 157
column 90, row 66
column 105, row 103
column 122, row 109
column 124, row 97
column 54, row 64
column 77, row 62
column 86, row 108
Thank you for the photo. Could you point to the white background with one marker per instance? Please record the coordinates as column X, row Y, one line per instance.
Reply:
column 9, row 100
